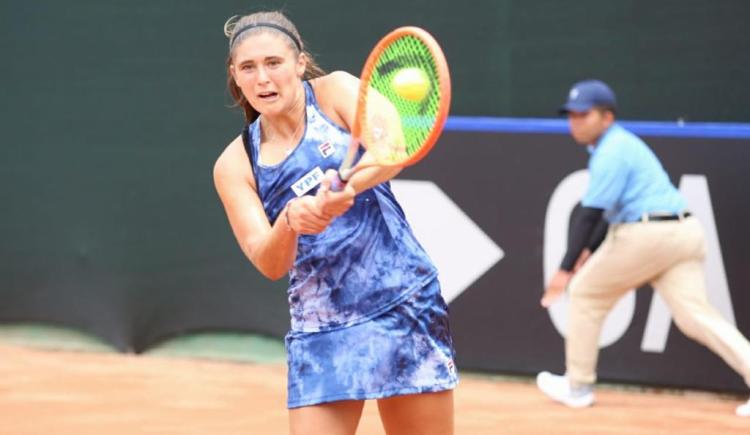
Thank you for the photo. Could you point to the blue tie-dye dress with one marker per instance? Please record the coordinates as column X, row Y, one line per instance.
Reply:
column 367, row 317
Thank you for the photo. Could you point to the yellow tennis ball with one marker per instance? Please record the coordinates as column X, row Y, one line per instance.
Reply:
column 411, row 84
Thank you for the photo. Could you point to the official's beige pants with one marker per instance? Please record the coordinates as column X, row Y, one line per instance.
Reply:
column 667, row 254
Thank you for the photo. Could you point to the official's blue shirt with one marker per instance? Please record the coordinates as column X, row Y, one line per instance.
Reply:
column 366, row 261
column 627, row 179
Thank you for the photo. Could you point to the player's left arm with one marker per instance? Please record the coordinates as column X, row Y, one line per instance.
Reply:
column 339, row 92
column 337, row 95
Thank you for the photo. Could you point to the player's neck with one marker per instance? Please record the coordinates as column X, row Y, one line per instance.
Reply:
column 285, row 127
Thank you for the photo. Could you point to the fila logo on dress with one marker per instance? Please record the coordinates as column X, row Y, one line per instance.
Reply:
column 326, row 149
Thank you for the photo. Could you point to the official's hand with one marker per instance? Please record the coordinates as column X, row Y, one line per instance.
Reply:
column 334, row 203
column 556, row 287
column 582, row 259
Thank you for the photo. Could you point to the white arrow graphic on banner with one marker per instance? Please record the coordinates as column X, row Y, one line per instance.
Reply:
column 460, row 249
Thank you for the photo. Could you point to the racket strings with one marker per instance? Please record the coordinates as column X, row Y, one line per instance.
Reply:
column 418, row 117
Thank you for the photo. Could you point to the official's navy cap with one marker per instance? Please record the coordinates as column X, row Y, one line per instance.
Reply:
column 585, row 95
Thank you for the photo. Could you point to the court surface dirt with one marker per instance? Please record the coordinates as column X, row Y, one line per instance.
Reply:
column 88, row 393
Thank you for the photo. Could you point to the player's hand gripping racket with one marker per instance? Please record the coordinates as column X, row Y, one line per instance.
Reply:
column 402, row 104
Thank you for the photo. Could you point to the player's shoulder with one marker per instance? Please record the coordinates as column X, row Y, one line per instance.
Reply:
column 333, row 84
column 336, row 94
column 230, row 161
column 231, row 148
column 334, row 78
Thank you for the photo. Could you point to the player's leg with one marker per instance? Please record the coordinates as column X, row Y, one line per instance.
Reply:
column 417, row 414
column 335, row 418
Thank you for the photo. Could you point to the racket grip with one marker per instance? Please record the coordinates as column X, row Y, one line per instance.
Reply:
column 338, row 183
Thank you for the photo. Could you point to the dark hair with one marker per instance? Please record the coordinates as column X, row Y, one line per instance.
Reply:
column 274, row 22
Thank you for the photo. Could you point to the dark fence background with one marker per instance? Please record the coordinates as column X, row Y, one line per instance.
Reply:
column 114, row 112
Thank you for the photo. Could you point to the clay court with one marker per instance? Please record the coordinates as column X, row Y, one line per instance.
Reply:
column 87, row 393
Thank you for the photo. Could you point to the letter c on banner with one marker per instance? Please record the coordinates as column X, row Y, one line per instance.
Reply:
column 565, row 197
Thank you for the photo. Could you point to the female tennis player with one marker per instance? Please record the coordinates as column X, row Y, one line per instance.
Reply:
column 367, row 317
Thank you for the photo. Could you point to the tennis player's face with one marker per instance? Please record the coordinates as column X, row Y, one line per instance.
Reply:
column 268, row 71
column 587, row 127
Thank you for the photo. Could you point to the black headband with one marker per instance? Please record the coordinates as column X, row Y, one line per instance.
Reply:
column 271, row 25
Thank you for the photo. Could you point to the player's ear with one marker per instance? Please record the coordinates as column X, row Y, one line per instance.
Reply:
column 233, row 72
column 301, row 65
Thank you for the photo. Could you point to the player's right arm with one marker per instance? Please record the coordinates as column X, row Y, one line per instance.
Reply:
column 271, row 248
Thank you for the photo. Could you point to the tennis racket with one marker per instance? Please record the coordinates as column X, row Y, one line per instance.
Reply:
column 402, row 104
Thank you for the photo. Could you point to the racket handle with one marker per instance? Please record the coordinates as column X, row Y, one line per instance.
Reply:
column 338, row 183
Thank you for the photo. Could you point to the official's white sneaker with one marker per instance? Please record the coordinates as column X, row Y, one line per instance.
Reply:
column 744, row 409
column 558, row 388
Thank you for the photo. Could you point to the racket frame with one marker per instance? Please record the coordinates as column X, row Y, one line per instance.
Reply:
column 346, row 170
